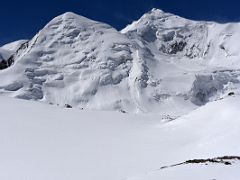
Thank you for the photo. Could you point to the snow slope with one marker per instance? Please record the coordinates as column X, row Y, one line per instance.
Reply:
column 40, row 141
column 160, row 64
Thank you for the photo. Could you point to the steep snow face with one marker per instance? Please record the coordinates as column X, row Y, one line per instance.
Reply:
column 73, row 60
column 162, row 64
column 186, row 61
column 168, row 34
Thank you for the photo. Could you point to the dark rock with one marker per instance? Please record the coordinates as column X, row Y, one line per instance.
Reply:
column 122, row 111
column 226, row 160
column 231, row 94
column 173, row 48
column 6, row 63
column 227, row 163
column 177, row 47
column 68, row 106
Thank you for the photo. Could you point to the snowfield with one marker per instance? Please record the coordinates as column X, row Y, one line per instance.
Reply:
column 40, row 141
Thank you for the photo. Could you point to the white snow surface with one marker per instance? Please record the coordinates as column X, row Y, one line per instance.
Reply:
column 160, row 64
column 40, row 141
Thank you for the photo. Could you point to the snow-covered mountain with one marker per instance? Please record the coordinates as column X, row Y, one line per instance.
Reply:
column 161, row 63
column 184, row 75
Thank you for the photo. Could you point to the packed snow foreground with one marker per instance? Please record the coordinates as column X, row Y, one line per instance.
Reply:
column 157, row 100
column 40, row 141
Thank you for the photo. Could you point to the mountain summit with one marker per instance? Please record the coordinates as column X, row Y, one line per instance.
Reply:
column 161, row 63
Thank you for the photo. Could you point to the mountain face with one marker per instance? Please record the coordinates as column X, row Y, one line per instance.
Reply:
column 161, row 63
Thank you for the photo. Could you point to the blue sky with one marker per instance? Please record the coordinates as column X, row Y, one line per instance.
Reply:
column 23, row 18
